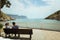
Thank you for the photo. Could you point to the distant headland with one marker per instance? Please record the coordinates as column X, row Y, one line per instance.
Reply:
column 54, row 16
column 17, row 16
column 8, row 17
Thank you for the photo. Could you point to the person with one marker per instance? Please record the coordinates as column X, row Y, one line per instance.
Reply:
column 7, row 26
column 14, row 25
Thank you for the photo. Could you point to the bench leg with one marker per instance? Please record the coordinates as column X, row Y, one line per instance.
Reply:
column 9, row 35
column 15, row 35
column 30, row 37
column 19, row 35
column 5, row 35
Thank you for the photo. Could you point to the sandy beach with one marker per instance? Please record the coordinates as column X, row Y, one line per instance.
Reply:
column 41, row 35
column 37, row 33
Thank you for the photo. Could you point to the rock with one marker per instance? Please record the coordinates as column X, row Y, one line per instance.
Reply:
column 4, row 17
column 55, row 16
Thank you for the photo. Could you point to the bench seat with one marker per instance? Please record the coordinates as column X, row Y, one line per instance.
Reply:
column 18, row 31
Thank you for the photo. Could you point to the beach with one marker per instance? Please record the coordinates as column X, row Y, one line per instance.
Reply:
column 41, row 35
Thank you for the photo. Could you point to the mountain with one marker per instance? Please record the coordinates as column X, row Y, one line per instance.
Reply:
column 4, row 17
column 17, row 16
column 55, row 16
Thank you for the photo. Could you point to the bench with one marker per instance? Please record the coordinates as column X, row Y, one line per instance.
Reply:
column 18, row 31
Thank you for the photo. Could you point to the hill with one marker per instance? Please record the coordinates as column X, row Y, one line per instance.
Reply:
column 4, row 17
column 55, row 16
column 17, row 16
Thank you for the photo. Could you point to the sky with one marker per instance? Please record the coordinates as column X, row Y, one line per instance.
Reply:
column 33, row 8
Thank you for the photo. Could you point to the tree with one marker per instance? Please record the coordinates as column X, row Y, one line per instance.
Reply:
column 4, row 2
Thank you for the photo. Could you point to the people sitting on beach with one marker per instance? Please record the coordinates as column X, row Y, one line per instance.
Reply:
column 7, row 26
column 14, row 25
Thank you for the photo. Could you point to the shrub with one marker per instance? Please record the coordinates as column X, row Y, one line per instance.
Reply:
column 1, row 25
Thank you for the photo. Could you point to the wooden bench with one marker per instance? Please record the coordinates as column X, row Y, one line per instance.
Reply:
column 18, row 31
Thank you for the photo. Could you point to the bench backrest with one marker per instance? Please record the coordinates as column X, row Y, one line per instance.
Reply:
column 18, row 31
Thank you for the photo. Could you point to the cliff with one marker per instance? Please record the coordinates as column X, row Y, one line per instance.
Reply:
column 4, row 17
column 55, row 16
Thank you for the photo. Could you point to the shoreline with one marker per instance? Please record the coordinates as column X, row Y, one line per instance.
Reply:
column 43, row 35
column 40, row 26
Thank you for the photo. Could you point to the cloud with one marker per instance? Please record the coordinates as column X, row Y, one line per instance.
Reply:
column 33, row 2
column 33, row 8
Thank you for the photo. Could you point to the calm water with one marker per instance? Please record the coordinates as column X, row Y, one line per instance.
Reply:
column 38, row 23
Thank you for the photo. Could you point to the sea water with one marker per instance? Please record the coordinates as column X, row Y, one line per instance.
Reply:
column 38, row 23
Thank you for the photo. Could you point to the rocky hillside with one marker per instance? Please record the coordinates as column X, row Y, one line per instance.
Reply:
column 55, row 16
column 4, row 17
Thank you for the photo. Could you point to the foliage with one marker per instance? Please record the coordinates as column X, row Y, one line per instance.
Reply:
column 4, row 2
column 1, row 25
